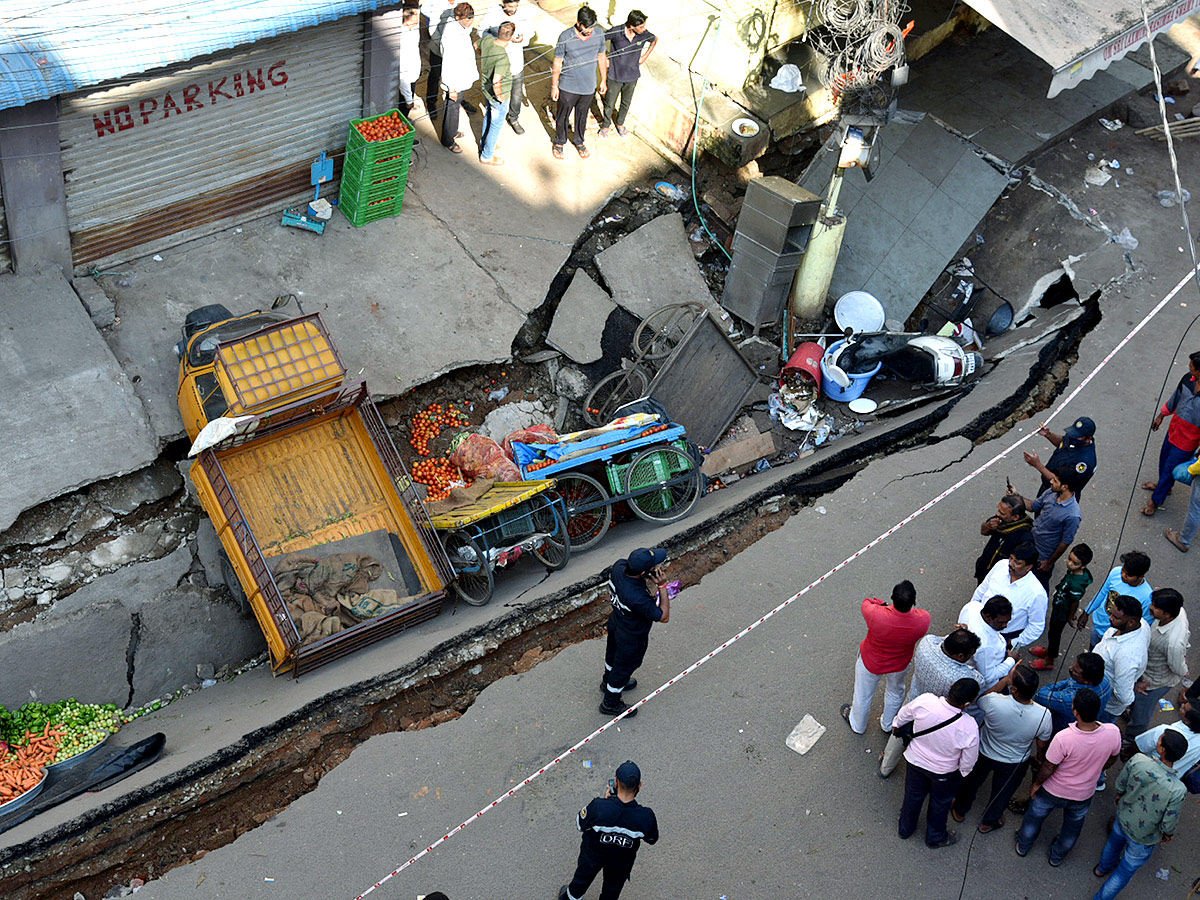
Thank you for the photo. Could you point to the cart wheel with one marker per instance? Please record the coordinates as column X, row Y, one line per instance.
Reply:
column 613, row 391
column 473, row 575
column 663, row 329
column 588, row 510
column 669, row 482
column 548, row 517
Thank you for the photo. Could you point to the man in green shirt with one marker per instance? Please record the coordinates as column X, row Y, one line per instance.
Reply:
column 1149, row 797
column 496, row 76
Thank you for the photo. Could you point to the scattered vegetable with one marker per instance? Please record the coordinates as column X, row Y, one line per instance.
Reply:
column 79, row 726
column 383, row 128
column 22, row 767
column 429, row 422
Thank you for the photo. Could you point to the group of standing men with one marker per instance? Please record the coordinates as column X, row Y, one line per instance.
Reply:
column 588, row 60
column 976, row 710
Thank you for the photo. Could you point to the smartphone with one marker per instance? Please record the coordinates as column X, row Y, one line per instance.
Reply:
column 612, row 786
column 1008, row 483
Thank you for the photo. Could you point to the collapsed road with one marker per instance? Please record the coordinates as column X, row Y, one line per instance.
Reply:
column 181, row 817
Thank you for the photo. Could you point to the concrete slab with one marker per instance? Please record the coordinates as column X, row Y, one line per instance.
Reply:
column 579, row 320
column 654, row 267
column 1042, row 322
column 82, row 655
column 70, row 415
column 131, row 586
column 1001, row 383
column 183, row 628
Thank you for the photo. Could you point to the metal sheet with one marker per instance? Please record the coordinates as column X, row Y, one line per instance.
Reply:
column 704, row 383
column 5, row 255
column 204, row 143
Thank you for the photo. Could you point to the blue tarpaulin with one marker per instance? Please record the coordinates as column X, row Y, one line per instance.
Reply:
column 49, row 48
column 528, row 453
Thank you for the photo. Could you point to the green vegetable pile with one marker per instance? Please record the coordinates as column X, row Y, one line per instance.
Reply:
column 84, row 725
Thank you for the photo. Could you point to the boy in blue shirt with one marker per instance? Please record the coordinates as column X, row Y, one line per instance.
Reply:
column 1128, row 578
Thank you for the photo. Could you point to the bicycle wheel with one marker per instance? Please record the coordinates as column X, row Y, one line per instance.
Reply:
column 663, row 329
column 588, row 510
column 555, row 550
column 668, row 481
column 613, row 391
column 473, row 574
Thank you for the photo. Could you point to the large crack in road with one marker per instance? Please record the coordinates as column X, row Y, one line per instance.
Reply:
column 180, row 818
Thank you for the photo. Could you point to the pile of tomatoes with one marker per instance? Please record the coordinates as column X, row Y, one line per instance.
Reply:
column 429, row 422
column 439, row 475
column 384, row 128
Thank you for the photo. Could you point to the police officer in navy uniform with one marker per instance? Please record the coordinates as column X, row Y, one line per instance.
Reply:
column 639, row 595
column 1075, row 449
column 613, row 828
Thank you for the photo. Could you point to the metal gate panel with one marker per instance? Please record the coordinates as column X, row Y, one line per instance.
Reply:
column 5, row 255
column 163, row 159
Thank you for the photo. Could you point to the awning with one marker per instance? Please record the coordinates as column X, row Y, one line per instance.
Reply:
column 1079, row 38
column 49, row 48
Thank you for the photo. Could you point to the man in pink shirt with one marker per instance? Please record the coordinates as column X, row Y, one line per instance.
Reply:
column 892, row 634
column 1067, row 778
column 944, row 748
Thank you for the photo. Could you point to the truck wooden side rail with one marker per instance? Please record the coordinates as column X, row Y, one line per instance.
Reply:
column 316, row 479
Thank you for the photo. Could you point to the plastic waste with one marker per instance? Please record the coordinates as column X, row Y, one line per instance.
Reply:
column 788, row 79
column 805, row 734
column 1125, row 239
column 1170, row 198
column 498, row 394
column 1112, row 124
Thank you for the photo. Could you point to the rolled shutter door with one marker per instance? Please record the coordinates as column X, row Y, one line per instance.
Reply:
column 165, row 159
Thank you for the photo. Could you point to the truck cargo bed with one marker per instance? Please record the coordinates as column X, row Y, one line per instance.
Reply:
column 316, row 484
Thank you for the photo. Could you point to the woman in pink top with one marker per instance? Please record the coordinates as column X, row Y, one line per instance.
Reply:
column 886, row 651
column 1067, row 779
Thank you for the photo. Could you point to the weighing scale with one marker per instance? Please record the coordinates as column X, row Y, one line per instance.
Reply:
column 318, row 212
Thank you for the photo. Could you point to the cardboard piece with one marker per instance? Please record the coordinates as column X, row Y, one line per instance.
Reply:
column 747, row 450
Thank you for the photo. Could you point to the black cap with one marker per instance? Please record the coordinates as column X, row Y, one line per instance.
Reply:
column 1083, row 427
column 643, row 560
column 629, row 774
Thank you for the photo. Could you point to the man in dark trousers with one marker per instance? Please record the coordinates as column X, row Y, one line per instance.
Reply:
column 613, row 828
column 639, row 595
column 1074, row 449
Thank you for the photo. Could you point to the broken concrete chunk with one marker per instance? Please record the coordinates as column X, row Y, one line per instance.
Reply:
column 123, row 495
column 131, row 585
column 81, row 655
column 46, row 522
column 504, row 420
column 127, row 547
column 579, row 320
column 654, row 267
column 571, row 383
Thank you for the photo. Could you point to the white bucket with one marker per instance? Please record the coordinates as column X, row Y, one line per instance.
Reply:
column 858, row 311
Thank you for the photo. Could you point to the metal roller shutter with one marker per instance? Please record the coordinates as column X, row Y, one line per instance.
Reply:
column 165, row 159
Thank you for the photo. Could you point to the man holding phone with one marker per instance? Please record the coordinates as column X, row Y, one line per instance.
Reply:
column 639, row 598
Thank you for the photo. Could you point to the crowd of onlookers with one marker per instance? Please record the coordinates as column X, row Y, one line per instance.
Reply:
column 464, row 50
column 977, row 711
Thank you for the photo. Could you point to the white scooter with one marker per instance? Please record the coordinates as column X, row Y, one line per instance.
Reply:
column 925, row 359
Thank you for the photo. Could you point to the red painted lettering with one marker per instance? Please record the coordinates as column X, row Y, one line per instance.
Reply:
column 276, row 75
column 146, row 108
column 170, row 106
column 190, row 93
column 255, row 82
column 237, row 85
column 215, row 92
column 124, row 116
column 104, row 126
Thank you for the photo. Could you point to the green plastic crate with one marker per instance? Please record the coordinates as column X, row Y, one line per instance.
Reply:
column 376, row 189
column 664, row 472
column 360, row 213
column 364, row 154
column 355, row 167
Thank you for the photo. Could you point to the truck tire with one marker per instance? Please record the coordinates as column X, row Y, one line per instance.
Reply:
column 229, row 576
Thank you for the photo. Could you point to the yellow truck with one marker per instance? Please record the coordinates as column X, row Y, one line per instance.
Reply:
column 318, row 520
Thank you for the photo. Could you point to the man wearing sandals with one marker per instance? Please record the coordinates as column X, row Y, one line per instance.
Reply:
column 1150, row 796
column 578, row 54
column 631, row 45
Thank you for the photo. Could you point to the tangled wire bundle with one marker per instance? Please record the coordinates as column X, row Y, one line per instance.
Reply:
column 860, row 40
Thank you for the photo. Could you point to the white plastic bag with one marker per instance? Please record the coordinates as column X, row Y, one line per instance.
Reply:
column 788, row 79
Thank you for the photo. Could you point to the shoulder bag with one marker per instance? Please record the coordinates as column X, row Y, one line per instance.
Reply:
column 906, row 734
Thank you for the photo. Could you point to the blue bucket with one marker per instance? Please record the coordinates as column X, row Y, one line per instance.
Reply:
column 858, row 383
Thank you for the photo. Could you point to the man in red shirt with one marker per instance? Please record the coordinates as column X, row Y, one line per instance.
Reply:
column 886, row 651
column 1183, row 434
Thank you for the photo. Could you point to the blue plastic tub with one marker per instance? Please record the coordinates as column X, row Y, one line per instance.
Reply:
column 858, row 383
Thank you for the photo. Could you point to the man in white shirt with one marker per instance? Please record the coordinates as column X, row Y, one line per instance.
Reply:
column 1189, row 726
column 988, row 622
column 513, row 11
column 1123, row 649
column 437, row 13
column 1014, row 578
column 459, row 71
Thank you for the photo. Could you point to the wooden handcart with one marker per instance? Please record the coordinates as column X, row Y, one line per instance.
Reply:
column 512, row 518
